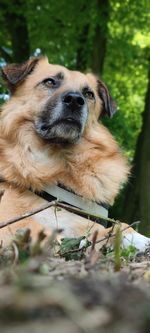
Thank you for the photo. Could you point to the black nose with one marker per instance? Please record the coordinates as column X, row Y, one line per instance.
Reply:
column 73, row 100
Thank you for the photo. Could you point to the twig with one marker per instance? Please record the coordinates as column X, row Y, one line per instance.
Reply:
column 16, row 253
column 24, row 216
column 113, row 235
column 82, row 212
column 62, row 205
column 109, row 235
column 1, row 194
column 72, row 251
column 52, row 204
column 94, row 240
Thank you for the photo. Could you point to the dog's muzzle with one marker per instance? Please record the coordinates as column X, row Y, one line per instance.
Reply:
column 63, row 120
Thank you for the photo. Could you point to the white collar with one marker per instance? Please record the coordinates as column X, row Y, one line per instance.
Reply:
column 73, row 199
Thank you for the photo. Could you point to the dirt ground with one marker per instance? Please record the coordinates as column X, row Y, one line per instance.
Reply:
column 42, row 292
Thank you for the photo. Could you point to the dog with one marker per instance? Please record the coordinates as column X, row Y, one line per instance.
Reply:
column 50, row 134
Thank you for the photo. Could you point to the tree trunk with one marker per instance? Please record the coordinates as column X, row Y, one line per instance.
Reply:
column 81, row 61
column 16, row 25
column 98, row 49
column 137, row 202
column 100, row 37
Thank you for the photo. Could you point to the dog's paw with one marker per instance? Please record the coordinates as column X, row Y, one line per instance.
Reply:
column 134, row 238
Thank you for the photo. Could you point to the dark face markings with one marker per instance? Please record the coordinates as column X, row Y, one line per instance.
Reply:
column 52, row 81
column 88, row 93
column 63, row 121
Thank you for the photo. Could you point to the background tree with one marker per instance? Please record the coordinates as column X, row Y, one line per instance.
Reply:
column 16, row 29
column 137, row 201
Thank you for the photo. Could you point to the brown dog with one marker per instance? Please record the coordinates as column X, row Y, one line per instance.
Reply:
column 50, row 134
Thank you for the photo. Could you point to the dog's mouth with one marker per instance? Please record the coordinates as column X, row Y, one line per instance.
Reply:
column 68, row 121
column 64, row 130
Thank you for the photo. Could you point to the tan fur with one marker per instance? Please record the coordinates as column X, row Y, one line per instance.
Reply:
column 93, row 168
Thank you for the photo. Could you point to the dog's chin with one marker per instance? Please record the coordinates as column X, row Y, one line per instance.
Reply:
column 64, row 132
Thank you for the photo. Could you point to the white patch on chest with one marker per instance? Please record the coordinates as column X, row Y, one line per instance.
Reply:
column 39, row 156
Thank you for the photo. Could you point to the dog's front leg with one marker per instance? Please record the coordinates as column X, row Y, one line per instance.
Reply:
column 132, row 237
column 129, row 237
column 103, row 187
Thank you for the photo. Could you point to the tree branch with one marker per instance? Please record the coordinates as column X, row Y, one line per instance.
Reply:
column 52, row 204
column 28, row 214
column 114, row 234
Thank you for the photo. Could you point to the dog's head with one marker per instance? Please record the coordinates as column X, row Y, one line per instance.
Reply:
column 59, row 102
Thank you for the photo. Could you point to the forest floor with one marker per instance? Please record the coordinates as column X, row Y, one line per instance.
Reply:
column 90, row 292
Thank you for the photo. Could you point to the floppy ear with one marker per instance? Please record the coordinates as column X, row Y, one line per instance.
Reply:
column 109, row 106
column 14, row 74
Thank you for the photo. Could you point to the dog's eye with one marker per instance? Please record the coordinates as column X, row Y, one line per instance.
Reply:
column 50, row 82
column 88, row 94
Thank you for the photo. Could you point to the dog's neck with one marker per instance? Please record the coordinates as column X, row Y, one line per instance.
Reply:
column 27, row 162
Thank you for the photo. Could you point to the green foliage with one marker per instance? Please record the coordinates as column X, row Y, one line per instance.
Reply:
column 73, row 248
column 126, row 68
column 118, row 253
column 129, row 252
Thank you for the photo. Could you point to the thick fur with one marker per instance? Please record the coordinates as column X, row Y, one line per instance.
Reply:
column 80, row 153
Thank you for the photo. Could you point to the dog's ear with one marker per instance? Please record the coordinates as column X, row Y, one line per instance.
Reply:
column 109, row 105
column 14, row 74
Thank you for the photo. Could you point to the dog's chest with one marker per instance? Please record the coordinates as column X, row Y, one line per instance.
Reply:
column 39, row 156
column 70, row 224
